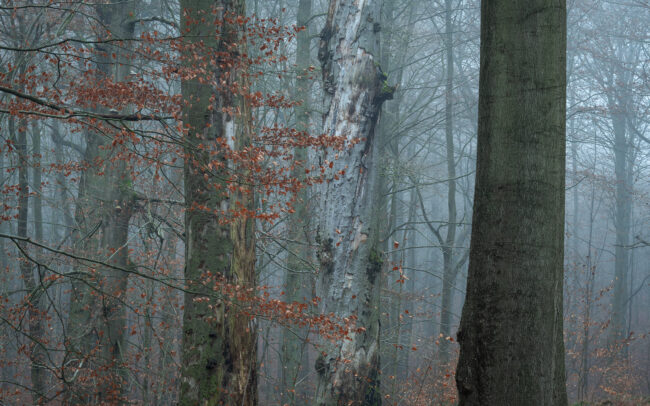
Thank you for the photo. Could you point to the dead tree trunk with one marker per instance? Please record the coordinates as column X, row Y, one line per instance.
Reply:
column 350, row 263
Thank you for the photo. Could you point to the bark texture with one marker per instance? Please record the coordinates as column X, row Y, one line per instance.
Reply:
column 218, row 350
column 350, row 263
column 511, row 348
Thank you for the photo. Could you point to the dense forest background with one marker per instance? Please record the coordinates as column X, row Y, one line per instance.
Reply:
column 146, row 260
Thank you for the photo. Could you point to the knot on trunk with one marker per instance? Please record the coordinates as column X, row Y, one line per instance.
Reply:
column 375, row 262
column 325, row 255
column 320, row 365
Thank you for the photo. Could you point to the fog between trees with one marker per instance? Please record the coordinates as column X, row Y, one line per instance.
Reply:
column 271, row 202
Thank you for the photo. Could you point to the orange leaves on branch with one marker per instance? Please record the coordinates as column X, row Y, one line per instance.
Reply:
column 257, row 302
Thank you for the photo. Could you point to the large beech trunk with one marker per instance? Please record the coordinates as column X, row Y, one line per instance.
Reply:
column 218, row 350
column 511, row 348
column 350, row 263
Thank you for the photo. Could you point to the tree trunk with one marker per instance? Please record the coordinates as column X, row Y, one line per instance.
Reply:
column 350, row 263
column 3, row 229
column 32, row 296
column 166, row 389
column 409, row 338
column 37, row 176
column 389, row 165
column 61, row 182
column 583, row 374
column 293, row 345
column 511, row 348
column 386, row 164
column 5, row 364
column 622, row 221
column 104, row 208
column 449, row 267
column 218, row 351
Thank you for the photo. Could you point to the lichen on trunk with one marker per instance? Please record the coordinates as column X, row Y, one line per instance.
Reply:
column 218, row 350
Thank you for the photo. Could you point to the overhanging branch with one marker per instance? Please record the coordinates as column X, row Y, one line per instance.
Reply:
column 68, row 113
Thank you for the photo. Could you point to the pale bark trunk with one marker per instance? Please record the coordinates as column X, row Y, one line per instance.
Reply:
column 511, row 344
column 218, row 351
column 350, row 263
